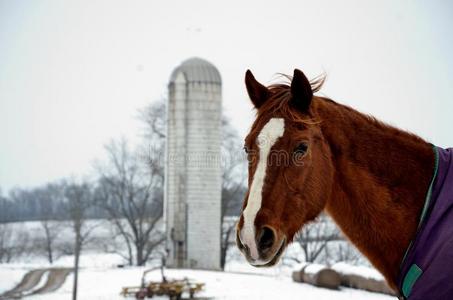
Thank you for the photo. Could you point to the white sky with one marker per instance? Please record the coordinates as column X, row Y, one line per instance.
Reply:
column 73, row 74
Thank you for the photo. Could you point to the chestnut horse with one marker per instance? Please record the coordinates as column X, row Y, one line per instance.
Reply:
column 309, row 154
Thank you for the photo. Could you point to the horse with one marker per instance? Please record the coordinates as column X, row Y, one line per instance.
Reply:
column 382, row 186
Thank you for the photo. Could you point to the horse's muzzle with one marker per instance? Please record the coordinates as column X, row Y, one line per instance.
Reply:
column 269, row 247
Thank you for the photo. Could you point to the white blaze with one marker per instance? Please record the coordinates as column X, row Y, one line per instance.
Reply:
column 268, row 136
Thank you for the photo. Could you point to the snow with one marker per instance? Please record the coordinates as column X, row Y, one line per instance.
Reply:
column 10, row 276
column 309, row 268
column 99, row 279
column 91, row 260
column 241, row 266
column 100, row 285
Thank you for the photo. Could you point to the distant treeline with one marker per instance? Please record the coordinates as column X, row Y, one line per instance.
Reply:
column 49, row 203
column 43, row 203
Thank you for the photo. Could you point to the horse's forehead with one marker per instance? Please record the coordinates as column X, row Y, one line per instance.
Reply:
column 271, row 131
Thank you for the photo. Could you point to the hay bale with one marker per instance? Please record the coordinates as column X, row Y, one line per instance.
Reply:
column 297, row 276
column 362, row 278
column 317, row 275
column 367, row 284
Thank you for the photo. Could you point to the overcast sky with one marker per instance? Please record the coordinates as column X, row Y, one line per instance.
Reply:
column 73, row 74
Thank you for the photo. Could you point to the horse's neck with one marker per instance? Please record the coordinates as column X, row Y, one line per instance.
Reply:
column 382, row 176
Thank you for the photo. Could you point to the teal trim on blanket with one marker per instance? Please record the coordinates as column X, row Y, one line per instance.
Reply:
column 411, row 277
column 413, row 273
column 427, row 200
column 430, row 190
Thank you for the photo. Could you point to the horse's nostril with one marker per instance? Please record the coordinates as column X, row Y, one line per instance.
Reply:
column 266, row 239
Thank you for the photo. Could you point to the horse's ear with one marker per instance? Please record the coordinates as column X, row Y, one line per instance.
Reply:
column 258, row 93
column 301, row 91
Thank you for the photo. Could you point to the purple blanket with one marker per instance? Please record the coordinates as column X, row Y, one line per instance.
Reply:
column 427, row 269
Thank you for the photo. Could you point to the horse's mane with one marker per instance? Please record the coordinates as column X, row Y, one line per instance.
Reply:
column 279, row 102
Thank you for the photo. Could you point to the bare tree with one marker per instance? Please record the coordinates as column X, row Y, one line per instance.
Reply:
column 48, row 197
column 14, row 242
column 153, row 147
column 233, row 188
column 154, row 118
column 51, row 229
column 6, row 247
column 344, row 251
column 314, row 239
column 131, row 193
column 80, row 198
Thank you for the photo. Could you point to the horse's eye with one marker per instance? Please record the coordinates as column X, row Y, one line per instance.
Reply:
column 246, row 149
column 301, row 149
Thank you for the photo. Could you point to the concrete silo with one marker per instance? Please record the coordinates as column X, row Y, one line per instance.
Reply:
column 192, row 169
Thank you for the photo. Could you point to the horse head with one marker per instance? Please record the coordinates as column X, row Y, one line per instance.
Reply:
column 290, row 169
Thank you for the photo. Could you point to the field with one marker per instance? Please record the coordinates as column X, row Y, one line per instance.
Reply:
column 100, row 277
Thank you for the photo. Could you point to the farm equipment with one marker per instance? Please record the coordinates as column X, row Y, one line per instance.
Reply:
column 174, row 289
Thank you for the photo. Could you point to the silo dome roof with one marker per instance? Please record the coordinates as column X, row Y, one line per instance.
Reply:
column 197, row 70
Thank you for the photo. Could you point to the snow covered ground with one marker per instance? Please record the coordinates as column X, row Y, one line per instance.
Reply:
column 10, row 276
column 100, row 279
